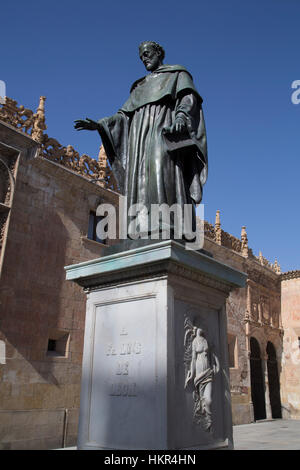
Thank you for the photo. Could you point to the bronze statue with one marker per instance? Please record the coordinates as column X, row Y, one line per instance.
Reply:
column 156, row 142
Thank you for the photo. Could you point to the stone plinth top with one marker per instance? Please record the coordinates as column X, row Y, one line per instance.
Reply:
column 163, row 257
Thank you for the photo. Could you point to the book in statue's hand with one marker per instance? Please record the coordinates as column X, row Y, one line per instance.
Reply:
column 177, row 141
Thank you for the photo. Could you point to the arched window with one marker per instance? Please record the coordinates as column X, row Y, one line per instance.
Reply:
column 271, row 351
column 254, row 348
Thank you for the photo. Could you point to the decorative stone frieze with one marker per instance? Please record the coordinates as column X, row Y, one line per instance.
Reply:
column 34, row 124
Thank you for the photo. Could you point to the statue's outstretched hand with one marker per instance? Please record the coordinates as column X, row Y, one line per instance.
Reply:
column 86, row 124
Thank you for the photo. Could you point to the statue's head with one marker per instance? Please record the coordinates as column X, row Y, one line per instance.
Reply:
column 151, row 54
column 200, row 332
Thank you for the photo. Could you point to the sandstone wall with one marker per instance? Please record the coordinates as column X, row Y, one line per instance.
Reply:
column 40, row 388
column 290, row 310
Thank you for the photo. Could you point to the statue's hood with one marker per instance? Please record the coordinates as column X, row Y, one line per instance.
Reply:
column 166, row 80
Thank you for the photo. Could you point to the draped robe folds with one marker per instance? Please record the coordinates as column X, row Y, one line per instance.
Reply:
column 146, row 170
column 203, row 375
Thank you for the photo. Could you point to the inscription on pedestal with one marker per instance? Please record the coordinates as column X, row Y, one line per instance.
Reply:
column 122, row 366
column 123, row 371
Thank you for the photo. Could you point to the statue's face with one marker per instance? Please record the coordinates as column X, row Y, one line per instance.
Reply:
column 150, row 58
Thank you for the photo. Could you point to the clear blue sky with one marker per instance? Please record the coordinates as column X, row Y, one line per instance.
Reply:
column 243, row 55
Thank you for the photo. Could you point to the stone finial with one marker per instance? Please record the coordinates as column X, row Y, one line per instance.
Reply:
column 218, row 231
column 261, row 258
column 276, row 267
column 102, row 161
column 244, row 239
column 41, row 108
column 102, row 157
column 39, row 122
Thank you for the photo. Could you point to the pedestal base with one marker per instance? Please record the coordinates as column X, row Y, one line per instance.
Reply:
column 145, row 310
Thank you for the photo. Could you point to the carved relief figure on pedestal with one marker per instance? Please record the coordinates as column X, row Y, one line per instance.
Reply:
column 201, row 366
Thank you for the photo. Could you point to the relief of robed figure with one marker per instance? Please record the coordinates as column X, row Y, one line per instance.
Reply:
column 156, row 142
column 202, row 364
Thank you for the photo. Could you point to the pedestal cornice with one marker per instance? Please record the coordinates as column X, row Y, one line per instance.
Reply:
column 154, row 260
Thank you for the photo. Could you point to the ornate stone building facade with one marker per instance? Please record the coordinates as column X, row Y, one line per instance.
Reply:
column 49, row 195
column 254, row 327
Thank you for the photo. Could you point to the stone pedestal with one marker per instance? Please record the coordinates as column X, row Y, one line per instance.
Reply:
column 145, row 307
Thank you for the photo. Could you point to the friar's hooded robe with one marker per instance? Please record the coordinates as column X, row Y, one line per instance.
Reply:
column 149, row 168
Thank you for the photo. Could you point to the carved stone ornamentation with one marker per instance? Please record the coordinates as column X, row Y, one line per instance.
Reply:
column 17, row 116
column 209, row 230
column 34, row 124
column 201, row 365
column 254, row 309
column 265, row 307
column 276, row 267
column 231, row 242
column 6, row 180
column 275, row 319
column 244, row 240
column 39, row 123
column 218, row 231
column 224, row 238
column 3, row 219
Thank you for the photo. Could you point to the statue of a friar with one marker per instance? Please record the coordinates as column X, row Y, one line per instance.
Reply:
column 156, row 142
